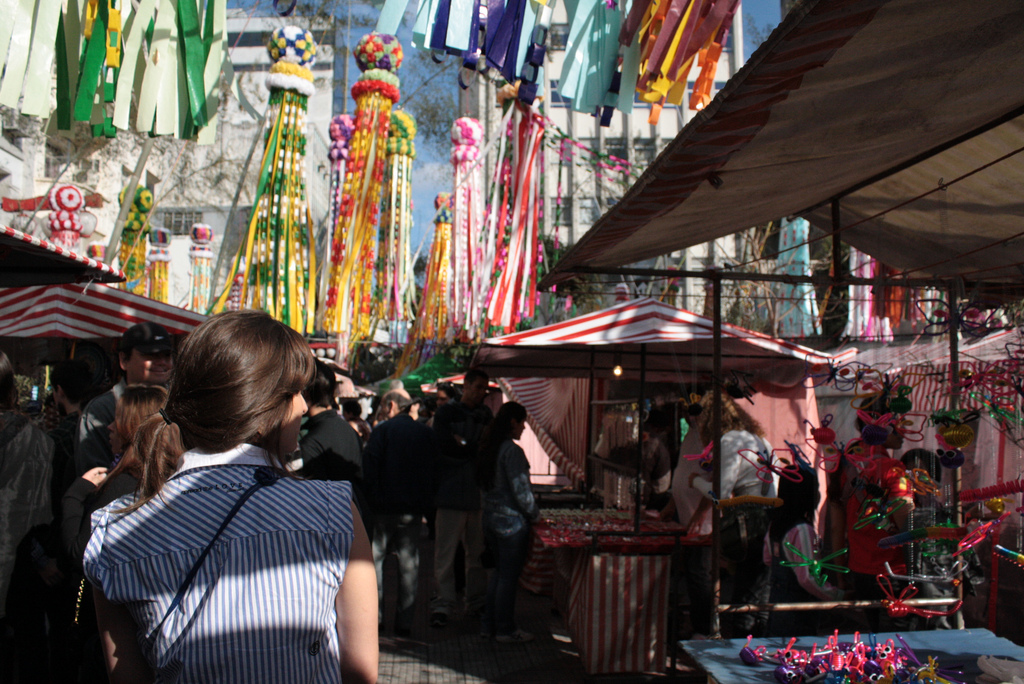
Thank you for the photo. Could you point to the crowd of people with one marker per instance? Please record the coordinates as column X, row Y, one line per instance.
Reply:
column 216, row 515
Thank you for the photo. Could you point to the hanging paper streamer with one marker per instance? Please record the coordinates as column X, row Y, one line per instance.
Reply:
column 342, row 127
column 470, row 269
column 673, row 34
column 393, row 296
column 431, row 329
column 234, row 302
column 799, row 313
column 95, row 50
column 276, row 259
column 435, row 300
column 200, row 253
column 159, row 260
column 513, row 293
column 133, row 240
column 68, row 222
column 348, row 306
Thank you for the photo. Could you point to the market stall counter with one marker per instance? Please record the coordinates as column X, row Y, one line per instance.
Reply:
column 610, row 584
column 953, row 649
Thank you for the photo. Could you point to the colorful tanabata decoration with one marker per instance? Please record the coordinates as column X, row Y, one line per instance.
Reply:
column 69, row 223
column 435, row 300
column 347, row 310
column 97, row 251
column 103, row 72
column 613, row 49
column 517, row 214
column 200, row 253
column 342, row 127
column 393, row 296
column 470, row 259
column 431, row 325
column 276, row 258
column 159, row 261
column 132, row 255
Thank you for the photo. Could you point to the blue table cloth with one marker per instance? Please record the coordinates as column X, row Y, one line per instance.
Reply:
column 721, row 661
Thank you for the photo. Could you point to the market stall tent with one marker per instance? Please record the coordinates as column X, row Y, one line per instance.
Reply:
column 29, row 260
column 908, row 113
column 677, row 344
column 550, row 369
column 85, row 312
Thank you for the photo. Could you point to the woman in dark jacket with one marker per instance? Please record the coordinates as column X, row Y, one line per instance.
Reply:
column 508, row 509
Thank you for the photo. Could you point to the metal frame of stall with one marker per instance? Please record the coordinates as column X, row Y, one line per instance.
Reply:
column 716, row 277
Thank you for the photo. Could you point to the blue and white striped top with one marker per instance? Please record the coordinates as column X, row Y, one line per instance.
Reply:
column 262, row 606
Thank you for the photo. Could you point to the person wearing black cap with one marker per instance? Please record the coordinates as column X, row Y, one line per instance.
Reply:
column 145, row 357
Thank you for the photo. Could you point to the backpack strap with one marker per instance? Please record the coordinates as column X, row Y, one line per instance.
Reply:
column 264, row 477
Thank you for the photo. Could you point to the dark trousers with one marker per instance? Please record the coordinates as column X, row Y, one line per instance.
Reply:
column 750, row 584
column 509, row 556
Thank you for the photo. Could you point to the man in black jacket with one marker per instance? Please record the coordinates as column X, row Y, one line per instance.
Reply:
column 459, row 426
column 399, row 466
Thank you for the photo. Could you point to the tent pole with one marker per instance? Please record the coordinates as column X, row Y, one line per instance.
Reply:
column 716, row 428
column 837, row 243
column 954, row 404
column 638, row 480
column 590, row 428
column 126, row 203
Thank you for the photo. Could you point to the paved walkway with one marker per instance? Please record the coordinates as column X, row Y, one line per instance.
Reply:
column 457, row 654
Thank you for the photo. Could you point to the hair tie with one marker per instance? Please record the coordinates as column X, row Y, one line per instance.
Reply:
column 163, row 414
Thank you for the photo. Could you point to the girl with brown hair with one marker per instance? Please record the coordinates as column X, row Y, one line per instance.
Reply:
column 224, row 568
column 96, row 487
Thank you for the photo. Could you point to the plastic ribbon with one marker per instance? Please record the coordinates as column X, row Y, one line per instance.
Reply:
column 276, row 261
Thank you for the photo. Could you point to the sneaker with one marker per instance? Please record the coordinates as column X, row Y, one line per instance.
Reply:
column 516, row 637
column 438, row 620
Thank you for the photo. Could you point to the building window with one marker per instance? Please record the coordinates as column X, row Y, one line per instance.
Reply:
column 180, row 222
column 616, row 147
column 644, row 152
column 563, row 212
column 558, row 36
column 56, row 159
column 589, row 211
column 555, row 97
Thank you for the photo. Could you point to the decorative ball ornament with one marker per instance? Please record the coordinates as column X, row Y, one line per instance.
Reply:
column 823, row 434
column 292, row 45
column 66, row 198
column 402, row 134
column 97, row 251
column 160, row 237
column 293, row 51
column 68, row 224
column 201, row 234
column 443, row 203
column 378, row 51
column 467, row 134
column 342, row 127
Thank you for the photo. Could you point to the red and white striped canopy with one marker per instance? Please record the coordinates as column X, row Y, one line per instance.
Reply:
column 678, row 345
column 29, row 260
column 84, row 312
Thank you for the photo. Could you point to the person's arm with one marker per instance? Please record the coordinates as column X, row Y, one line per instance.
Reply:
column 125, row 662
column 93, row 447
column 800, row 536
column 357, row 611
column 73, row 517
column 517, row 469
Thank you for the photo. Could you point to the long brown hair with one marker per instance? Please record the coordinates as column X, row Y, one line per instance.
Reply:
column 136, row 404
column 234, row 380
column 733, row 417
